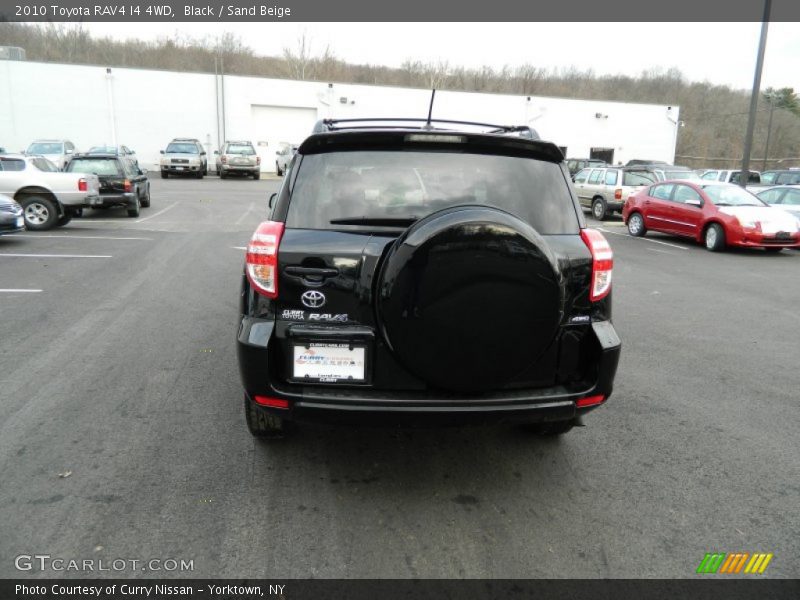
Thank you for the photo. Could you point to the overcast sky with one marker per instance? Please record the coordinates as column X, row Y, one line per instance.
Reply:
column 722, row 53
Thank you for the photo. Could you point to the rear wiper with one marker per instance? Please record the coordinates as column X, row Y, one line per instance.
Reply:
column 378, row 221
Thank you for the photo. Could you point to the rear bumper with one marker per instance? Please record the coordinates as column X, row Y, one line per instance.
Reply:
column 109, row 200
column 239, row 168
column 366, row 405
column 77, row 199
column 615, row 205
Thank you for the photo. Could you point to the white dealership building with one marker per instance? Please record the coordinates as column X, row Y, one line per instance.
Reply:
column 144, row 109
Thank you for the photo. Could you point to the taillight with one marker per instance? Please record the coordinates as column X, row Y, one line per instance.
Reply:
column 617, row 194
column 602, row 263
column 262, row 258
column 83, row 185
column 128, row 186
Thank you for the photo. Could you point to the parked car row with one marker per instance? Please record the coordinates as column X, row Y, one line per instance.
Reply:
column 51, row 198
column 182, row 156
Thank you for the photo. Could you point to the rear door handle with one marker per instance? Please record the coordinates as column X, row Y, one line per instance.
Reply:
column 311, row 274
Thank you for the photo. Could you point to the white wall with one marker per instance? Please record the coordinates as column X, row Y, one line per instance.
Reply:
column 45, row 100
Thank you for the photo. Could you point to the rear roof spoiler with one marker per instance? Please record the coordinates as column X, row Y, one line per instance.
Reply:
column 402, row 137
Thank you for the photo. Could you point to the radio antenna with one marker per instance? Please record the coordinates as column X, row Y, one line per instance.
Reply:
column 430, row 109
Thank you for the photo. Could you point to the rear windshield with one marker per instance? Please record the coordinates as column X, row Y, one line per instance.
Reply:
column 98, row 166
column 638, row 178
column 689, row 175
column 245, row 150
column 752, row 178
column 46, row 148
column 412, row 185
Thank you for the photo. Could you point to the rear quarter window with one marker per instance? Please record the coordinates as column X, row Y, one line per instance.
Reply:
column 414, row 184
column 7, row 164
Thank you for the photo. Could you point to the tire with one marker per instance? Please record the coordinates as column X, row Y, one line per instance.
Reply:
column 599, row 210
column 164, row 175
column 278, row 171
column 199, row 174
column 636, row 226
column 134, row 211
column 551, row 428
column 146, row 199
column 223, row 175
column 714, row 238
column 40, row 212
column 423, row 302
column 64, row 220
column 257, row 175
column 262, row 424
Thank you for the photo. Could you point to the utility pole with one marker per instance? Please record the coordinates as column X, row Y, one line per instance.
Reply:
column 751, row 121
column 771, row 99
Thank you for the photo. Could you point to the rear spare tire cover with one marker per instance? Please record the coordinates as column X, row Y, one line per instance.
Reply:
column 469, row 297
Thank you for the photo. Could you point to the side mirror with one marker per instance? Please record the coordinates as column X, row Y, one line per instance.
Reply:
column 203, row 153
column 694, row 202
column 162, row 152
column 272, row 199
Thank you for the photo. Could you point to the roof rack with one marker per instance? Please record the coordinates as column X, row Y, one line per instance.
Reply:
column 426, row 124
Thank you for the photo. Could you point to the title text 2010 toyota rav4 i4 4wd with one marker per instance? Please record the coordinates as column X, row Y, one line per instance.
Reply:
column 425, row 275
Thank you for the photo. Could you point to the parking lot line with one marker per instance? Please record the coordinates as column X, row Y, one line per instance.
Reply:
column 55, row 255
column 246, row 213
column 17, row 291
column 643, row 239
column 77, row 237
column 161, row 212
column 239, row 247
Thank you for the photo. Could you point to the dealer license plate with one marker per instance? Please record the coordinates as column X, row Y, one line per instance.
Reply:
column 329, row 362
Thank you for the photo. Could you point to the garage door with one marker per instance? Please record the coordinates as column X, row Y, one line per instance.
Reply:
column 273, row 125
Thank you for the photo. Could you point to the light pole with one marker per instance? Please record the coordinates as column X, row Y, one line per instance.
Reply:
column 751, row 121
column 771, row 99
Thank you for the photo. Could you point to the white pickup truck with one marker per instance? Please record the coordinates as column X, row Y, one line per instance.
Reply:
column 49, row 198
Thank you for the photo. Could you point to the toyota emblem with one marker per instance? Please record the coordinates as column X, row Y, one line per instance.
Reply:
column 313, row 299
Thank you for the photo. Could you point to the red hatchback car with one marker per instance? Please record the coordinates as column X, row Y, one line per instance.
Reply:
column 713, row 213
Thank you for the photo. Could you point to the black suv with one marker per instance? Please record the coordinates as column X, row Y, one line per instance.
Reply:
column 425, row 275
column 122, row 182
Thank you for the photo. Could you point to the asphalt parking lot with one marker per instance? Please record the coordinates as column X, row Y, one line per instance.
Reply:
column 122, row 433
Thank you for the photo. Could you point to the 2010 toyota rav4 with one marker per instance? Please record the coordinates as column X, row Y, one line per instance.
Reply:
column 425, row 275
